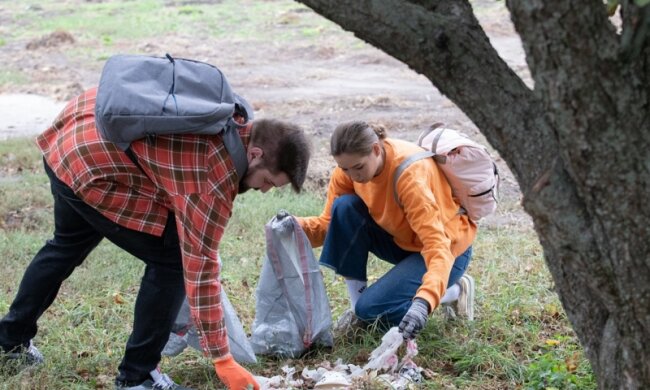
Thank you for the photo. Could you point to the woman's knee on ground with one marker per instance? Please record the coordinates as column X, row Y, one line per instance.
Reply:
column 368, row 309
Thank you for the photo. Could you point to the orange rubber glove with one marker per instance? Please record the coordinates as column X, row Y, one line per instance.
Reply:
column 234, row 376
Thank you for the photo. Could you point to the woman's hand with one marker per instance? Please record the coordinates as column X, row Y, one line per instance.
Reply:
column 414, row 319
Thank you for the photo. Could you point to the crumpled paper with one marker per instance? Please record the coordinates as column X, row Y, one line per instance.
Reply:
column 384, row 366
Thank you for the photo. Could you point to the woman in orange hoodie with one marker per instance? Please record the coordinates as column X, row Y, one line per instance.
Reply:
column 427, row 239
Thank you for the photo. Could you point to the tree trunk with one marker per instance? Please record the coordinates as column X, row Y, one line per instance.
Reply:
column 596, row 246
column 578, row 144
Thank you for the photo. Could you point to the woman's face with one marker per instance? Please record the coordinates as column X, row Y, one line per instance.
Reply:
column 360, row 168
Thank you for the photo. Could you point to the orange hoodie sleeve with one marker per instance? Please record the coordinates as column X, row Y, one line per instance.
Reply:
column 316, row 227
column 426, row 216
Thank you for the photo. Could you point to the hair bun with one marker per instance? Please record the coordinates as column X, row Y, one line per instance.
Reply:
column 378, row 129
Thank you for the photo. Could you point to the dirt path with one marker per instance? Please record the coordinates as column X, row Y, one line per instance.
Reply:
column 25, row 115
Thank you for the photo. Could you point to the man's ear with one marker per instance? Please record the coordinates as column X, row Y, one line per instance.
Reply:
column 254, row 153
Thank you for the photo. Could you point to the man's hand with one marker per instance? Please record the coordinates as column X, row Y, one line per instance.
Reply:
column 414, row 319
column 234, row 376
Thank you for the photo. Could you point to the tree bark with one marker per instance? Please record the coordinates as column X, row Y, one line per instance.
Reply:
column 578, row 144
column 598, row 103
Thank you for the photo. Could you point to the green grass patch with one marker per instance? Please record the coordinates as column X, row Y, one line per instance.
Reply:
column 116, row 19
column 11, row 77
column 24, row 188
column 112, row 22
column 19, row 154
column 559, row 366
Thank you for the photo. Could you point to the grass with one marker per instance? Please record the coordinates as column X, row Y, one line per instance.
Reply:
column 12, row 77
column 520, row 339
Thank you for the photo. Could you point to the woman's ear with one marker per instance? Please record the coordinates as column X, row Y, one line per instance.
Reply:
column 376, row 149
column 254, row 153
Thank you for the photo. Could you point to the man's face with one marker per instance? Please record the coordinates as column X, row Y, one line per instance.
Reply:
column 262, row 179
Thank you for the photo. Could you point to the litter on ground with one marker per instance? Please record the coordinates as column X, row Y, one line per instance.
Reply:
column 384, row 367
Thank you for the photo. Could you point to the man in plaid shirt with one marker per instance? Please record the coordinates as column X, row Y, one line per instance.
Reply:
column 170, row 212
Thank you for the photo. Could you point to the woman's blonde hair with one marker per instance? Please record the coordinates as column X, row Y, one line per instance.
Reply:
column 356, row 137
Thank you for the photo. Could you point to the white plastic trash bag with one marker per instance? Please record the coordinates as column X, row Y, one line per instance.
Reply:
column 184, row 333
column 292, row 310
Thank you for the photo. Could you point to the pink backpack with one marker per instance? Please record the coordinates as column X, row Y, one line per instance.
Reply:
column 471, row 172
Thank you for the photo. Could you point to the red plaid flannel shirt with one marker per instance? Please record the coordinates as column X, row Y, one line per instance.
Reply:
column 190, row 175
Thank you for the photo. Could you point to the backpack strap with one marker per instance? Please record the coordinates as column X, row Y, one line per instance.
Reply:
column 235, row 148
column 441, row 159
column 134, row 159
column 231, row 139
column 408, row 161
column 429, row 130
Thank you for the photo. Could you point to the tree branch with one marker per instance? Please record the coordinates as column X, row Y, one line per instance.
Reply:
column 444, row 41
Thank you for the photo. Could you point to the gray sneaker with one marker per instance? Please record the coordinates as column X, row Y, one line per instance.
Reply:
column 464, row 306
column 158, row 381
column 348, row 325
column 448, row 312
column 24, row 356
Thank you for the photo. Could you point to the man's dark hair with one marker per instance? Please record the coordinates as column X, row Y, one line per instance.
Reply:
column 286, row 149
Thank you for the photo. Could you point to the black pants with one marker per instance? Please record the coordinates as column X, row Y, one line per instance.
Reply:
column 78, row 230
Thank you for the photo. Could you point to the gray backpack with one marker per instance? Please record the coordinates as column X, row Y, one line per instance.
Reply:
column 142, row 96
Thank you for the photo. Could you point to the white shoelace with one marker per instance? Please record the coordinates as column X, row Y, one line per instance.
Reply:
column 161, row 381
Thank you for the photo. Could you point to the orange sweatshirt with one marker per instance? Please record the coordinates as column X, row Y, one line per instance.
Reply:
column 428, row 223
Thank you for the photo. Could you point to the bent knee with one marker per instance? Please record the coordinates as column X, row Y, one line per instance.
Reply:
column 346, row 201
column 367, row 310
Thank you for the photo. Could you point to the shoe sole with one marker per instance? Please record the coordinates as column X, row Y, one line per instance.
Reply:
column 469, row 294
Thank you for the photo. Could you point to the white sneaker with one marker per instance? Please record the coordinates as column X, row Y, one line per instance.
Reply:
column 26, row 356
column 345, row 322
column 464, row 306
column 158, row 381
column 348, row 325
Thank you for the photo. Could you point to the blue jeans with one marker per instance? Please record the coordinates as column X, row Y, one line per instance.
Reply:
column 351, row 236
column 78, row 229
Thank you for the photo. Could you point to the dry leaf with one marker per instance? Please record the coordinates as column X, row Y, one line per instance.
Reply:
column 552, row 342
column 117, row 298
